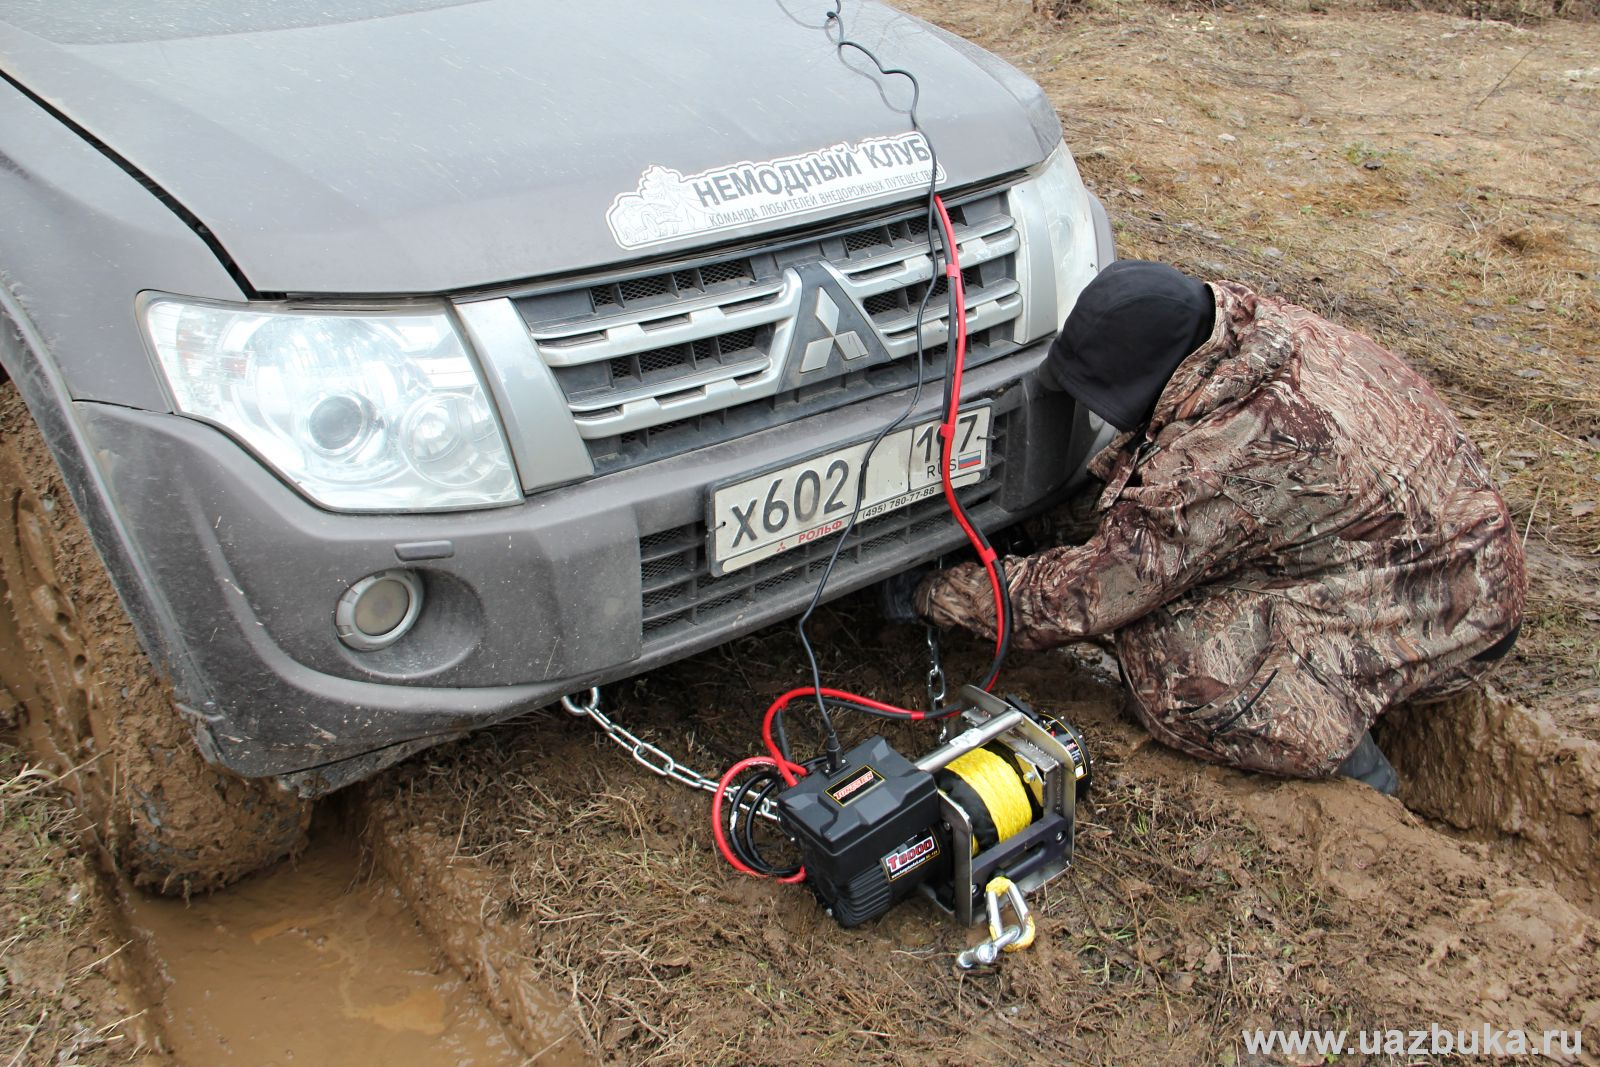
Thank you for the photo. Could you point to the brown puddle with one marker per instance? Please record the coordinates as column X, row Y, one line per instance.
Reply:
column 313, row 962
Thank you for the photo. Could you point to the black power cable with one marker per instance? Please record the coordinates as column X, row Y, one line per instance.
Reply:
column 746, row 802
column 832, row 748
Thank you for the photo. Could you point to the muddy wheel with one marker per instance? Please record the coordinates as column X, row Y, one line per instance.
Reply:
column 91, row 707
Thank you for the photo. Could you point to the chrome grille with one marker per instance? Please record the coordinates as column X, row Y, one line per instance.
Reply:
column 660, row 363
column 679, row 592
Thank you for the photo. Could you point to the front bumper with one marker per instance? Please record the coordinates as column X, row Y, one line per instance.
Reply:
column 524, row 603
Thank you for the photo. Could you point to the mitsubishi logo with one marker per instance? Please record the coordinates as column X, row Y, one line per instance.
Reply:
column 817, row 352
column 832, row 333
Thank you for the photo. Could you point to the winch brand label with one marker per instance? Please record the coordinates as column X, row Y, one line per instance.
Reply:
column 913, row 854
column 854, row 786
column 668, row 205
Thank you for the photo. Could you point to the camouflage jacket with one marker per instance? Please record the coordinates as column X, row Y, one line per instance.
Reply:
column 1302, row 537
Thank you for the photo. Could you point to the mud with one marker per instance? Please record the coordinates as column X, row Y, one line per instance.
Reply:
column 461, row 908
column 314, row 962
column 68, row 990
column 1486, row 764
column 91, row 708
column 1202, row 901
column 1446, row 931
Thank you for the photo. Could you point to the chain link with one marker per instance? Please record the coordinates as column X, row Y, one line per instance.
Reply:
column 938, row 688
column 652, row 758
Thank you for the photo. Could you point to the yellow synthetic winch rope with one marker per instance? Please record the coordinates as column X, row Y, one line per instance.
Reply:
column 997, row 785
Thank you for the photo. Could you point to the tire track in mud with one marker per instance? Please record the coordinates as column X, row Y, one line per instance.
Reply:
column 455, row 902
column 315, row 961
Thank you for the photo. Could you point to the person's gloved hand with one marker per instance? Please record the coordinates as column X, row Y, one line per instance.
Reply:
column 896, row 595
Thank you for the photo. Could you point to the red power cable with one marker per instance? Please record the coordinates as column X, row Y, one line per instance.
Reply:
column 716, row 817
column 792, row 772
column 947, row 430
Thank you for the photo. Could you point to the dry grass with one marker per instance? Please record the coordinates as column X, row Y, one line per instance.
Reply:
column 56, row 1004
column 1187, row 917
column 1517, row 12
column 1178, row 928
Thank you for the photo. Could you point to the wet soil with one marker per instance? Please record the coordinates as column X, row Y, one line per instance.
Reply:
column 1425, row 178
column 67, row 990
column 1202, row 901
column 316, row 961
column 458, row 906
column 91, row 709
column 1503, row 773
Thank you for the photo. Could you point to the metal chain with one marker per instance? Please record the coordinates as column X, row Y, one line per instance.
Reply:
column 651, row 757
column 938, row 688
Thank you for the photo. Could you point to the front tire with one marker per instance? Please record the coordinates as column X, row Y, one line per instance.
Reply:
column 93, row 709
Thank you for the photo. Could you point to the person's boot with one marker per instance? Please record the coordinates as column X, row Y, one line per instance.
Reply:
column 1368, row 764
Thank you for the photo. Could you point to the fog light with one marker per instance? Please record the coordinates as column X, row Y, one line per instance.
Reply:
column 378, row 610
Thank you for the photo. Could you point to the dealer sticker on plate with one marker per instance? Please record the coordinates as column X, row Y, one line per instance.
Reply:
column 798, row 504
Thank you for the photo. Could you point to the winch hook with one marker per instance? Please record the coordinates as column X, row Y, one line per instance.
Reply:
column 1013, row 938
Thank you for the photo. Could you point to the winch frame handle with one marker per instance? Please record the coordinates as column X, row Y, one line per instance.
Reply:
column 1003, row 717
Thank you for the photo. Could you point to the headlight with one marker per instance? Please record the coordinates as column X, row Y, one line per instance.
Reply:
column 364, row 411
column 1059, row 255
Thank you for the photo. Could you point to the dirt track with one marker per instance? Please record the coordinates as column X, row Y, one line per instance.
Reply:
column 1428, row 179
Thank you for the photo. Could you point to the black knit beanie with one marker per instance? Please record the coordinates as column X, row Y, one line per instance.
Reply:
column 1127, row 333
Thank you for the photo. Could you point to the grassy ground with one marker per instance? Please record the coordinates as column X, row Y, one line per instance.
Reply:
column 59, row 1003
column 1426, row 178
column 1202, row 901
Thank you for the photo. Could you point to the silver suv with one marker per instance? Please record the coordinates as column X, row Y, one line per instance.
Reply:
column 412, row 363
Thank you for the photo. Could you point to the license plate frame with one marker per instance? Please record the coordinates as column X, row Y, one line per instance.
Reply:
column 757, row 516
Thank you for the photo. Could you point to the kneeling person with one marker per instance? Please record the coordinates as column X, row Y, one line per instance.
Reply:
column 1295, row 533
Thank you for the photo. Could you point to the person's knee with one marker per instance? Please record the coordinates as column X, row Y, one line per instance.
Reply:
column 1301, row 740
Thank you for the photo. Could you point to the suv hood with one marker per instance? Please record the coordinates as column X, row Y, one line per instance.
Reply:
column 418, row 146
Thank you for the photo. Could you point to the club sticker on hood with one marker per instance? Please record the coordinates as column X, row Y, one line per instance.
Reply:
column 669, row 205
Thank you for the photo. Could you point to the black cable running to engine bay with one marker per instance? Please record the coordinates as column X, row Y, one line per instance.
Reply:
column 735, row 831
column 832, row 750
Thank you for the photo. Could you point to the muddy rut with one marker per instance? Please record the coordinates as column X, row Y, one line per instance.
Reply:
column 317, row 962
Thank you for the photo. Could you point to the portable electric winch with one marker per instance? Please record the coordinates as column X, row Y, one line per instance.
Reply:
column 998, row 798
column 985, row 817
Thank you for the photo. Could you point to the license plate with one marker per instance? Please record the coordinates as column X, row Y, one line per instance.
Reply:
column 784, row 509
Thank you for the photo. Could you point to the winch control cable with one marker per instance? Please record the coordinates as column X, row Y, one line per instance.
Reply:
column 734, row 831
